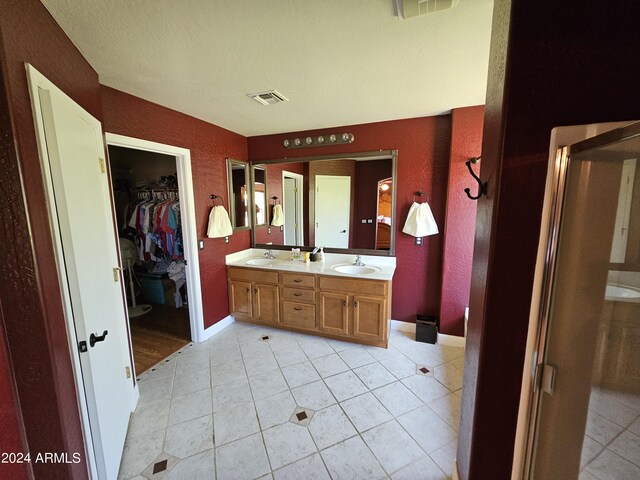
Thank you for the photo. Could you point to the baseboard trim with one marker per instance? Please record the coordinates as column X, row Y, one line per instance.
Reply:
column 136, row 397
column 456, row 474
column 403, row 326
column 217, row 327
column 451, row 340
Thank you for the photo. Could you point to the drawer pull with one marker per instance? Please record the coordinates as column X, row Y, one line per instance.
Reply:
column 297, row 309
column 344, row 304
column 355, row 304
column 255, row 290
column 297, row 294
column 297, row 280
column 248, row 289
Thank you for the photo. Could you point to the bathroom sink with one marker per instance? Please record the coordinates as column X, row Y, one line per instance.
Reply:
column 622, row 293
column 355, row 269
column 261, row 261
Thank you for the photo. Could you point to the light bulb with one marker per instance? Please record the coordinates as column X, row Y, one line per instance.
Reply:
column 321, row 139
column 296, row 142
column 332, row 138
column 308, row 140
column 286, row 143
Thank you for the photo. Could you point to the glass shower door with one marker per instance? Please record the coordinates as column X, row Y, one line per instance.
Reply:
column 587, row 421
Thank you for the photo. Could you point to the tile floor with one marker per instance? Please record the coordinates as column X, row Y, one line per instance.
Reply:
column 611, row 447
column 295, row 406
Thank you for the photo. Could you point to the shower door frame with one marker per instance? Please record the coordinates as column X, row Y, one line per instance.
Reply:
column 556, row 182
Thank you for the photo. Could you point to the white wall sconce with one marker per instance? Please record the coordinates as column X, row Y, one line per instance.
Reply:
column 320, row 140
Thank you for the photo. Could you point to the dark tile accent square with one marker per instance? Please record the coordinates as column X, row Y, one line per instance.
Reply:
column 160, row 467
column 266, row 337
column 424, row 370
column 301, row 416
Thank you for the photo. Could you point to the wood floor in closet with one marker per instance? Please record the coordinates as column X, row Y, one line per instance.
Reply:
column 158, row 334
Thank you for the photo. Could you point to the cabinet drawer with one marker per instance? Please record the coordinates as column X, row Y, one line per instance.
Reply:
column 252, row 275
column 298, row 294
column 300, row 315
column 352, row 285
column 297, row 280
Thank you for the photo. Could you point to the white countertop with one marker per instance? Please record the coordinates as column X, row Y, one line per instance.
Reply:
column 387, row 265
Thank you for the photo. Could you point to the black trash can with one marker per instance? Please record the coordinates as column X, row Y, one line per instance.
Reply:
column 426, row 328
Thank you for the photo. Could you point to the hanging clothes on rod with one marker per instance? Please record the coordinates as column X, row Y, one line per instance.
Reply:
column 155, row 217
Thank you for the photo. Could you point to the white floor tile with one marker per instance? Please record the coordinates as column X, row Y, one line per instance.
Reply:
column 153, row 390
column 635, row 427
column 365, row 412
column 249, row 335
column 267, row 384
column 228, row 395
column 608, row 406
column 448, row 409
column 449, row 376
column 345, row 385
column 329, row 365
column 352, row 460
column 392, row 446
column 627, row 445
column 601, row 429
column 140, row 452
column 374, row 375
column 243, row 459
column 300, row 374
column 197, row 467
column 310, row 468
column 287, row 443
column 224, row 354
column 397, row 398
column 234, row 423
column 190, row 406
column 317, row 348
column 609, row 466
column 330, row 426
column 315, row 396
column 290, row 356
column 188, row 438
column 427, row 428
column 590, row 450
column 257, row 347
column 275, row 409
column 227, row 372
column 262, row 363
column 340, row 346
column 380, row 353
column 191, row 381
column 356, row 357
column 426, row 389
column 424, row 469
column 445, row 456
column 279, row 343
column 149, row 418
column 400, row 366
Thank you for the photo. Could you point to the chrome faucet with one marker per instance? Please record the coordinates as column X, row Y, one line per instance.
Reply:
column 269, row 254
column 358, row 262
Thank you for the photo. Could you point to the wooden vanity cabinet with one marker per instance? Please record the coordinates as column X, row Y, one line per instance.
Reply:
column 254, row 295
column 348, row 308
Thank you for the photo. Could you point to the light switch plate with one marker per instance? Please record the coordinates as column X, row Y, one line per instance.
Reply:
column 200, row 244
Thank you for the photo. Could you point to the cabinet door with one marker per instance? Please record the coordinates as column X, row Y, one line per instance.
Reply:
column 266, row 303
column 240, row 298
column 334, row 313
column 369, row 319
column 299, row 315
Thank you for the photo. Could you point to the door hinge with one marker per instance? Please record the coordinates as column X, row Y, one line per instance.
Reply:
column 116, row 274
column 545, row 378
column 127, row 371
column 103, row 168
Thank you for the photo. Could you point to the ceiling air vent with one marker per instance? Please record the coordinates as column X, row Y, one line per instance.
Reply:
column 268, row 98
column 414, row 8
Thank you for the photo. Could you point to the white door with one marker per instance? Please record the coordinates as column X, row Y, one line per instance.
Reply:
column 290, row 208
column 333, row 208
column 87, row 255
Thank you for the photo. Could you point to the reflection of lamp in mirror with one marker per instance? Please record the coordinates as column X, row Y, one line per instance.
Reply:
column 384, row 187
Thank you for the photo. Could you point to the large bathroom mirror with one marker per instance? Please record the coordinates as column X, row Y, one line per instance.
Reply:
column 238, row 182
column 340, row 202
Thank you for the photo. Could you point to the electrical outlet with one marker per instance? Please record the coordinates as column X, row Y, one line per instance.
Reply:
column 364, row 220
column 418, row 240
column 226, row 239
column 200, row 244
column 370, row 220
column 268, row 230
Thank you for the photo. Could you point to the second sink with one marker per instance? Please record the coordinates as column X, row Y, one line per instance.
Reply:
column 355, row 269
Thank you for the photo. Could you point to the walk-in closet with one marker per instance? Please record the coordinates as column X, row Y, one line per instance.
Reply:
column 147, row 204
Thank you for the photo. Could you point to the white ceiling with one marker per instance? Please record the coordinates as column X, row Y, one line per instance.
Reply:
column 339, row 62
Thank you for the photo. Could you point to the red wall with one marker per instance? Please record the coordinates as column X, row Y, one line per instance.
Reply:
column 210, row 146
column 460, row 223
column 423, row 157
column 29, row 291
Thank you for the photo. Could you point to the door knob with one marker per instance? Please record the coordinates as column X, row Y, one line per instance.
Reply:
column 93, row 339
column 343, row 231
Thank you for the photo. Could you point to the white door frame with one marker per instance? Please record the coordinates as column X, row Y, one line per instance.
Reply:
column 37, row 82
column 188, row 216
column 300, row 202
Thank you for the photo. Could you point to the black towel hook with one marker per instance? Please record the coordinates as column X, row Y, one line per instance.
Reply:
column 213, row 197
column 482, row 187
column 275, row 200
column 419, row 194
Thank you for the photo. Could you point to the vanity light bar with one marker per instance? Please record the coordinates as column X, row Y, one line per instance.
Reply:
column 321, row 140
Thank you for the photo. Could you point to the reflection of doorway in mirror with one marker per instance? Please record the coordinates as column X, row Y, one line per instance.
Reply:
column 623, row 213
column 292, row 205
column 333, row 210
column 260, row 201
column 383, row 217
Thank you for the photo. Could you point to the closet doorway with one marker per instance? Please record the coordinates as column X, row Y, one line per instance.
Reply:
column 152, row 213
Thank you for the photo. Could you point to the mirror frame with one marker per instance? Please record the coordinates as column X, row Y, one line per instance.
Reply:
column 374, row 155
column 252, row 181
column 231, row 202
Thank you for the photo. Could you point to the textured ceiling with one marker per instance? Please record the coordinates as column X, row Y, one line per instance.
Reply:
column 339, row 62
